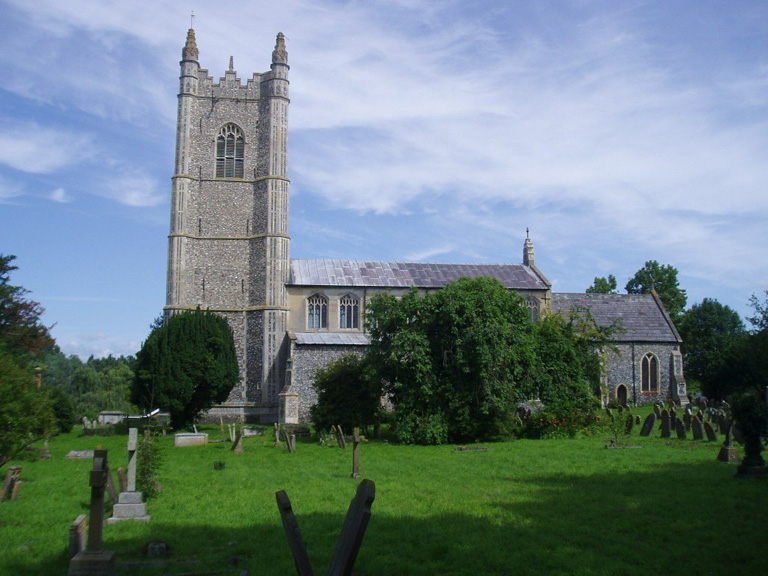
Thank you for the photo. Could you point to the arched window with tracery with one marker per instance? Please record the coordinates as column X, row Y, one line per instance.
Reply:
column 349, row 312
column 317, row 312
column 650, row 373
column 230, row 152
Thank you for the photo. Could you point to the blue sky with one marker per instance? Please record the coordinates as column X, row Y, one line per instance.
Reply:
column 618, row 132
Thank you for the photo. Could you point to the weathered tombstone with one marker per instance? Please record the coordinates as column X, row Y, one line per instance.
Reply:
column 710, row 432
column 672, row 416
column 356, row 453
column 728, row 452
column 122, row 479
column 722, row 423
column 638, row 419
column 689, row 409
column 130, row 505
column 237, row 445
column 629, row 426
column 620, row 408
column 698, row 431
column 680, row 429
column 340, row 437
column 94, row 560
column 699, row 415
column 78, row 531
column 12, row 479
column 737, row 433
column 665, row 430
column 232, row 431
column 349, row 541
column 609, row 412
column 45, row 453
column 687, row 419
column 657, row 411
column 290, row 442
column 111, row 491
column 648, row 425
column 278, row 442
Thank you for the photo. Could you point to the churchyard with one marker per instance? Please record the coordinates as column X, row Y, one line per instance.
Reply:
column 652, row 505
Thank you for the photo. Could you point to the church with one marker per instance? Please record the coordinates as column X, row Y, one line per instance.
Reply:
column 229, row 252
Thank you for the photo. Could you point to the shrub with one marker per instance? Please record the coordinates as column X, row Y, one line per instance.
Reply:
column 751, row 415
column 149, row 461
column 563, row 419
column 62, row 409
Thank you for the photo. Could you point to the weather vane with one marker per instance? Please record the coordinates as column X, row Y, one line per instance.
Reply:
column 191, row 18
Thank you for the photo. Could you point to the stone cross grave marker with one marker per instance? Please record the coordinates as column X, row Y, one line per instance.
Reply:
column 665, row 429
column 350, row 539
column 130, row 504
column 648, row 425
column 356, row 453
column 94, row 560
column 728, row 452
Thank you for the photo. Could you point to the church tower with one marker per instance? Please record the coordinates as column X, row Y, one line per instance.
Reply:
column 228, row 247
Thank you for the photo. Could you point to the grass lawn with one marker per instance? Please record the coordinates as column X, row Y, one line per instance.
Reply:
column 522, row 507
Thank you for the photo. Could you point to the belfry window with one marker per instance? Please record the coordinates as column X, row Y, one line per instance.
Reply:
column 349, row 308
column 317, row 312
column 650, row 373
column 230, row 152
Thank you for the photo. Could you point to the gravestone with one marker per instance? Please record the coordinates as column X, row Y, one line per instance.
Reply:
column 657, row 411
column 648, row 425
column 638, row 419
column 687, row 419
column 290, row 442
column 722, row 423
column 78, row 532
column 672, row 416
column 680, row 429
column 349, row 541
column 278, row 442
column 629, row 426
column 12, row 480
column 737, row 433
column 45, row 453
column 356, row 453
column 237, row 445
column 700, row 415
column 190, row 439
column 698, row 431
column 130, row 505
column 94, row 560
column 340, row 437
column 609, row 412
column 710, row 432
column 665, row 429
column 728, row 452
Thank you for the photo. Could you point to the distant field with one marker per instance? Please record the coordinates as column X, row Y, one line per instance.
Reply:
column 523, row 507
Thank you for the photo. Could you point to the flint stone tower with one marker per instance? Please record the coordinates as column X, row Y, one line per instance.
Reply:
column 228, row 247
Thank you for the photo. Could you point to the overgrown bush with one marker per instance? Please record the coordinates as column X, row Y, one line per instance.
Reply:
column 62, row 409
column 562, row 419
column 347, row 394
column 751, row 415
column 149, row 460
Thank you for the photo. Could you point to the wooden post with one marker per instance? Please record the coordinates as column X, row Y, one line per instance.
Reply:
column 351, row 537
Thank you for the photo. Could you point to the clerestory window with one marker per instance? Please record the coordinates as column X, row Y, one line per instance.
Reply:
column 230, row 152
column 349, row 308
column 317, row 312
column 650, row 373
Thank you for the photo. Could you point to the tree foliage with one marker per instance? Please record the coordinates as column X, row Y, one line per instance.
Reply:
column 26, row 413
column 760, row 319
column 186, row 366
column 603, row 285
column 458, row 361
column 21, row 329
column 347, row 394
column 662, row 279
column 709, row 330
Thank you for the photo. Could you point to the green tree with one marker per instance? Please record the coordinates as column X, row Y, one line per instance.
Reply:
column 26, row 413
column 186, row 366
column 760, row 320
column 662, row 279
column 603, row 285
column 454, row 360
column 347, row 394
column 708, row 331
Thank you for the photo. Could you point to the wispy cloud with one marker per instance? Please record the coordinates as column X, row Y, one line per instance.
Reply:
column 61, row 196
column 32, row 148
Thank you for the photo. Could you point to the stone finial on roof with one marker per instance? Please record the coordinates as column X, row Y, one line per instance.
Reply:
column 279, row 54
column 528, row 250
column 231, row 63
column 189, row 52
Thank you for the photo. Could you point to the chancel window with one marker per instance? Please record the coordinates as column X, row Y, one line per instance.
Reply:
column 650, row 373
column 230, row 152
column 349, row 313
column 317, row 312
